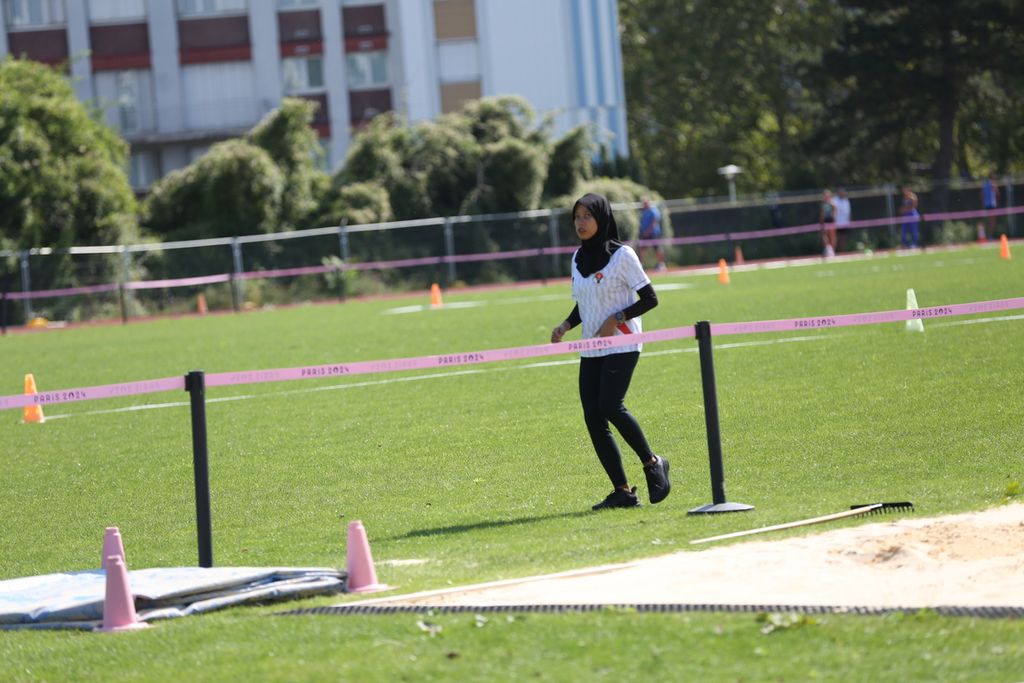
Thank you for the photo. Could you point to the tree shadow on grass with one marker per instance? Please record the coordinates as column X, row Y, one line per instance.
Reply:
column 496, row 524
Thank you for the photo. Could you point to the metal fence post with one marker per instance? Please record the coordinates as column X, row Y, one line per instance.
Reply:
column 890, row 208
column 236, row 274
column 449, row 247
column 123, row 291
column 1011, row 225
column 343, row 240
column 553, row 233
column 26, row 285
column 344, row 251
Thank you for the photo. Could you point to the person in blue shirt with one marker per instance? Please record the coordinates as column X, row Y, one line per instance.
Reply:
column 650, row 229
column 911, row 217
column 989, row 201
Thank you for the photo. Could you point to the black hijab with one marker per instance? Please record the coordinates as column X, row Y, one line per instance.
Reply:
column 595, row 253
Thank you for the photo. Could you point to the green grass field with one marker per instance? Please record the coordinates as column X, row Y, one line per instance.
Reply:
column 486, row 472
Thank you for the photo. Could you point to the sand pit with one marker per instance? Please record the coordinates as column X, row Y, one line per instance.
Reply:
column 973, row 559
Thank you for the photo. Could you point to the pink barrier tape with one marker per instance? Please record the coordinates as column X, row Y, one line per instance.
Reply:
column 515, row 353
column 442, row 361
column 804, row 324
column 92, row 393
column 286, row 272
column 68, row 291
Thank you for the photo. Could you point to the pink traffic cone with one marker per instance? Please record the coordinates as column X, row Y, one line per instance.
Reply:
column 362, row 577
column 112, row 545
column 118, row 604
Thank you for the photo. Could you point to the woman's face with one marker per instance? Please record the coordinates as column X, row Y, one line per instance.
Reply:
column 586, row 224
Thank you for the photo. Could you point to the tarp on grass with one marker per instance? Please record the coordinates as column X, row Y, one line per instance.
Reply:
column 74, row 600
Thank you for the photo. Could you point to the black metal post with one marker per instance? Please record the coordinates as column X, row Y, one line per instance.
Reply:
column 195, row 385
column 707, row 376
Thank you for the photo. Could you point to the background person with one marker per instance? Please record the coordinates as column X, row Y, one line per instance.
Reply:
column 989, row 201
column 843, row 216
column 650, row 229
column 607, row 278
column 911, row 217
column 827, row 220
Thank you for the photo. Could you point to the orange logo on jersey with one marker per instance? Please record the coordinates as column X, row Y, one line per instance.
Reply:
column 599, row 277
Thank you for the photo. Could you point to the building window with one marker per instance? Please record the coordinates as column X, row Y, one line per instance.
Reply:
column 220, row 95
column 142, row 170
column 25, row 13
column 295, row 4
column 454, row 19
column 367, row 69
column 199, row 8
column 303, row 74
column 454, row 95
column 127, row 98
column 458, row 61
column 117, row 10
column 365, row 20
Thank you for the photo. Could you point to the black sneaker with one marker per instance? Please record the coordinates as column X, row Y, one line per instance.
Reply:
column 658, row 485
column 619, row 499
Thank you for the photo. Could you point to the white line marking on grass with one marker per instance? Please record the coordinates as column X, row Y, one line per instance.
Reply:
column 419, row 308
column 672, row 286
column 128, row 409
column 975, row 321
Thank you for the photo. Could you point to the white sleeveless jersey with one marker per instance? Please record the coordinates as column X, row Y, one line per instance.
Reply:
column 607, row 292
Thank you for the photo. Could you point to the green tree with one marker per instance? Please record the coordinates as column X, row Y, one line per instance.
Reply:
column 906, row 74
column 570, row 163
column 62, row 172
column 233, row 189
column 711, row 83
column 287, row 135
column 380, row 154
column 488, row 157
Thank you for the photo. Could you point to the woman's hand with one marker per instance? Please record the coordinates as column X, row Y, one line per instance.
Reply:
column 608, row 327
column 559, row 332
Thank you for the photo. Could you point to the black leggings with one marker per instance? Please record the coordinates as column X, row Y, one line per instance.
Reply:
column 604, row 381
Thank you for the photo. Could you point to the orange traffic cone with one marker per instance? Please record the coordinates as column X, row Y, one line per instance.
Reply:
column 435, row 296
column 1004, row 247
column 739, row 256
column 362, row 577
column 201, row 304
column 723, row 272
column 32, row 413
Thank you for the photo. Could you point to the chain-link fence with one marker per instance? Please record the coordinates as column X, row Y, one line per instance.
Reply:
column 126, row 281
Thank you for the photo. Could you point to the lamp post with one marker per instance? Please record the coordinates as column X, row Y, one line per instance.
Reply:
column 730, row 172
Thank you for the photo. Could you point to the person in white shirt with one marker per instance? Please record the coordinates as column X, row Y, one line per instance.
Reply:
column 607, row 279
column 843, row 215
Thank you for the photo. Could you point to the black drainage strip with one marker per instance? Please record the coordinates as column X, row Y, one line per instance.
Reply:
column 994, row 612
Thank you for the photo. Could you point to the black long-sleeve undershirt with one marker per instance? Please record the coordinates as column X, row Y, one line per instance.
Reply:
column 648, row 300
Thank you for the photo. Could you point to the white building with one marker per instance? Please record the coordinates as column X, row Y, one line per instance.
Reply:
column 175, row 76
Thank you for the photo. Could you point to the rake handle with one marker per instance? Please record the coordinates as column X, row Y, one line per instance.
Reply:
column 791, row 525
